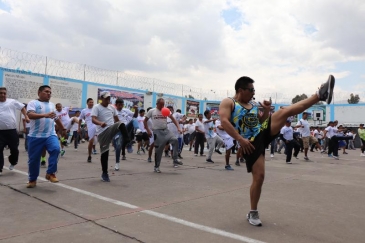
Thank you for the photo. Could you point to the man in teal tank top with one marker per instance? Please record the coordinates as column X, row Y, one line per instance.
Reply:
column 254, row 131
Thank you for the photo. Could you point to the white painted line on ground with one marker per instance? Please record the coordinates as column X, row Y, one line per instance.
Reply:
column 155, row 214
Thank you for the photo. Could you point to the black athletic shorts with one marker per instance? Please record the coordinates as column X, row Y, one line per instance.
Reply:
column 262, row 140
column 142, row 136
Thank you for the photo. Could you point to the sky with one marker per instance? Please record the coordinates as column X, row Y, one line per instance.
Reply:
column 287, row 47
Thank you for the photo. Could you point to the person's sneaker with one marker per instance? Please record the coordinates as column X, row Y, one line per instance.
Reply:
column 63, row 152
column 75, row 149
column 149, row 160
column 209, row 161
column 217, row 151
column 157, row 170
column 202, row 155
column 345, row 153
column 323, row 151
column 242, row 160
column 11, row 167
column 306, row 158
column 296, row 157
column 89, row 159
column 139, row 151
column 237, row 163
column 143, row 150
column 95, row 152
column 330, row 155
column 129, row 148
column 176, row 165
column 325, row 92
column 279, row 152
column 180, row 157
column 177, row 161
column 52, row 178
column 228, row 167
column 43, row 164
column 289, row 162
column 167, row 154
column 116, row 167
column 31, row 184
column 271, row 155
column 123, row 157
column 195, row 154
column 253, row 218
column 190, row 149
column 105, row 177
column 335, row 157
column 362, row 155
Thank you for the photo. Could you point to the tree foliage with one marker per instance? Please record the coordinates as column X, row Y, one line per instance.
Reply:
column 298, row 98
column 354, row 99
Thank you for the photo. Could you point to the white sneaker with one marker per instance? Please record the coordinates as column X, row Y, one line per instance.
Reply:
column 196, row 154
column 271, row 155
column 253, row 218
column 289, row 162
column 11, row 167
column 335, row 157
column 362, row 154
column 116, row 167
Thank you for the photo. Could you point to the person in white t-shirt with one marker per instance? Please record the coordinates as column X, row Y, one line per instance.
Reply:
column 162, row 134
column 304, row 130
column 125, row 116
column 199, row 136
column 42, row 135
column 142, row 137
column 8, row 124
column 351, row 141
column 26, row 127
column 228, row 142
column 190, row 131
column 331, row 132
column 105, row 117
column 74, row 131
column 171, row 126
column 91, row 128
column 63, row 114
column 211, row 136
column 287, row 136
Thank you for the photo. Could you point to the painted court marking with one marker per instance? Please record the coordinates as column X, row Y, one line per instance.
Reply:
column 155, row 214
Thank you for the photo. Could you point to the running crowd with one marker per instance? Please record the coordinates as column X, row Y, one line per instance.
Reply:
column 242, row 129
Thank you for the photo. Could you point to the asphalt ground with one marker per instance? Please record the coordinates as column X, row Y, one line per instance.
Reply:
column 317, row 201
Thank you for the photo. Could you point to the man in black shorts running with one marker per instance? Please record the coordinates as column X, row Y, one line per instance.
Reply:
column 253, row 130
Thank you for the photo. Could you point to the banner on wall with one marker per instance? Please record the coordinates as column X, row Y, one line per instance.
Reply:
column 192, row 108
column 65, row 92
column 214, row 109
column 22, row 87
column 169, row 101
column 130, row 99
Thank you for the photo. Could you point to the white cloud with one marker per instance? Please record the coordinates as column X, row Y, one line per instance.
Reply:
column 288, row 47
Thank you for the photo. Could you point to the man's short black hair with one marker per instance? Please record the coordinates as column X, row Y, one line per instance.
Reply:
column 87, row 101
column 149, row 108
column 119, row 101
column 178, row 110
column 41, row 88
column 243, row 82
column 206, row 112
column 141, row 111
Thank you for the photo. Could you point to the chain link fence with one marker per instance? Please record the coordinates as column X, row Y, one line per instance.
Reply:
column 33, row 63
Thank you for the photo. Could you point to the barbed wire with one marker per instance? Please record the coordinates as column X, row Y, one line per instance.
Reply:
column 33, row 63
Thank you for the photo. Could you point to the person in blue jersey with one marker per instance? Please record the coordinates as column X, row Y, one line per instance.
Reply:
column 42, row 134
column 241, row 119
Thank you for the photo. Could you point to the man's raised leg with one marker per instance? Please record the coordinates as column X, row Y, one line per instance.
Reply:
column 324, row 93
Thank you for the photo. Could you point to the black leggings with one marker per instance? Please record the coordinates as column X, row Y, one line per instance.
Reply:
column 10, row 138
column 363, row 146
column 199, row 140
